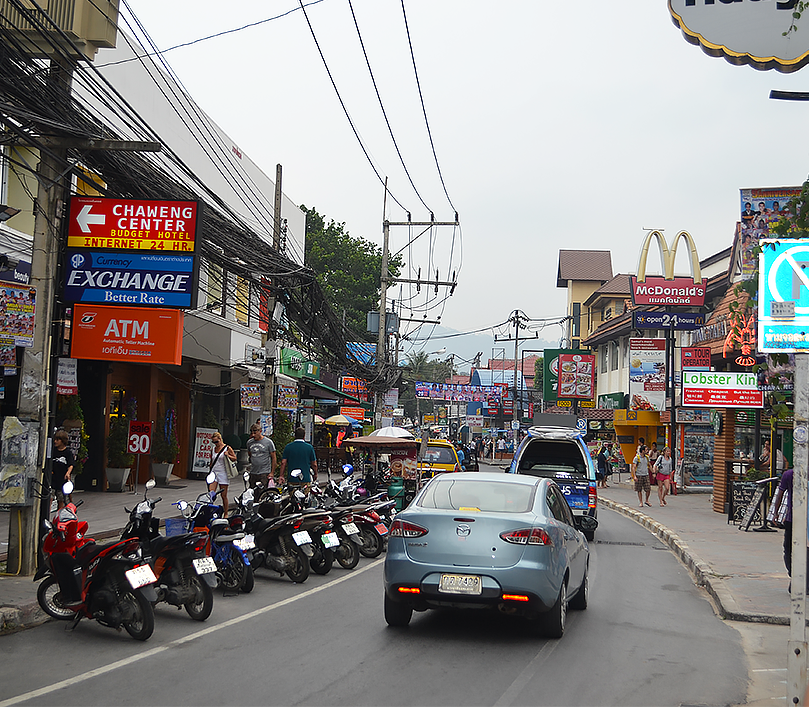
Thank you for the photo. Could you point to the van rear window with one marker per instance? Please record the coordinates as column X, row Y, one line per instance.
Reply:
column 552, row 459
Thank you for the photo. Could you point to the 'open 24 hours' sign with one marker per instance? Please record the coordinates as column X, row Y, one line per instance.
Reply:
column 783, row 286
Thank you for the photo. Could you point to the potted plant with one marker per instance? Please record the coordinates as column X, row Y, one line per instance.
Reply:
column 165, row 447
column 119, row 460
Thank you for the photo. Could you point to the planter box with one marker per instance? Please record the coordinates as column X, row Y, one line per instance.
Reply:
column 162, row 473
column 117, row 478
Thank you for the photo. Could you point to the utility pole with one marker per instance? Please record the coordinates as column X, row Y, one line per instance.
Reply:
column 268, row 399
column 33, row 405
column 517, row 317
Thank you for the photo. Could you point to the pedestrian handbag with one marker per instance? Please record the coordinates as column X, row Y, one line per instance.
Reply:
column 230, row 467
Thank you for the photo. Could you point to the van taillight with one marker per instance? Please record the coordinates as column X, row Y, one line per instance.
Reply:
column 591, row 497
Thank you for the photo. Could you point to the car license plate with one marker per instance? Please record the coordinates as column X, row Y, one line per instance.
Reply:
column 245, row 543
column 351, row 528
column 140, row 576
column 330, row 539
column 302, row 537
column 204, row 565
column 460, row 584
column 381, row 528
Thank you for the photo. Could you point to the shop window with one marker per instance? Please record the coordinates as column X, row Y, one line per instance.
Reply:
column 603, row 353
column 241, row 307
column 613, row 355
column 215, row 290
column 575, row 324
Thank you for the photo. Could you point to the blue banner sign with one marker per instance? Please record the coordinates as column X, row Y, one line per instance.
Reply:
column 667, row 320
column 131, row 278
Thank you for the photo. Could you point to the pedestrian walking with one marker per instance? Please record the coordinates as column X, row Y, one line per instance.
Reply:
column 61, row 466
column 664, row 468
column 261, row 451
column 602, row 464
column 299, row 454
column 640, row 474
column 220, row 451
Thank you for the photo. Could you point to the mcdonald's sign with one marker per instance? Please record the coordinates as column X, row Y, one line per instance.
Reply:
column 667, row 289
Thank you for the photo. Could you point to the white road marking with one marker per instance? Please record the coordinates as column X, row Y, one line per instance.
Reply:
column 180, row 641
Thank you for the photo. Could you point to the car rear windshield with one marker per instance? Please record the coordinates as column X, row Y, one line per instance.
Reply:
column 552, row 459
column 488, row 496
column 439, row 455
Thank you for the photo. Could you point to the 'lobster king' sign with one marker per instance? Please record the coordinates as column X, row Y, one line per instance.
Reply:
column 667, row 289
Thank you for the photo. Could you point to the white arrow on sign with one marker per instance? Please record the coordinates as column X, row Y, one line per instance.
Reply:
column 84, row 218
column 799, row 275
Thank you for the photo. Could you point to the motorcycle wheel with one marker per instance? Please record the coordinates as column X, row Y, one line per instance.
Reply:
column 142, row 626
column 300, row 571
column 201, row 606
column 350, row 554
column 371, row 543
column 249, row 580
column 321, row 562
column 48, row 597
column 233, row 570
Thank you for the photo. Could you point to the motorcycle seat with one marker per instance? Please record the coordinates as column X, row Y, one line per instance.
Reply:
column 86, row 553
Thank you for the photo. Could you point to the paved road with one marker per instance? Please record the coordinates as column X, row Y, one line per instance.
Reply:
column 649, row 638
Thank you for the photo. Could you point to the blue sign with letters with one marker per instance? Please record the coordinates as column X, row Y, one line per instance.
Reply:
column 783, row 296
column 668, row 320
column 130, row 278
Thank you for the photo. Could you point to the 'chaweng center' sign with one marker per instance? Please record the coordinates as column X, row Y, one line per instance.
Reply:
column 745, row 31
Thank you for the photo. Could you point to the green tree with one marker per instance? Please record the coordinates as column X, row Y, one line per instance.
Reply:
column 539, row 372
column 347, row 268
column 420, row 368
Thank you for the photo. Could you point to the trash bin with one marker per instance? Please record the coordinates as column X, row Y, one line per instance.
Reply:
column 396, row 492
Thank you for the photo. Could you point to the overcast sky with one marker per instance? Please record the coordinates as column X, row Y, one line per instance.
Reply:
column 556, row 125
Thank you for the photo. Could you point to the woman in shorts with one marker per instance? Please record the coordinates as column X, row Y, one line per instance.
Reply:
column 664, row 468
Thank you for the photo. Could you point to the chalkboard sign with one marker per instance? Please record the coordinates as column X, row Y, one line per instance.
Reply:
column 754, row 507
column 741, row 502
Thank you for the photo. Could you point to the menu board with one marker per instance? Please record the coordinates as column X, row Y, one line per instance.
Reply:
column 577, row 376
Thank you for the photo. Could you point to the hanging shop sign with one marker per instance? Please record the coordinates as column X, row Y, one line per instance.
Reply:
column 356, row 412
column 354, row 386
column 667, row 289
column 647, row 374
column 132, row 224
column 17, row 312
column 577, row 375
column 667, row 320
column 550, row 365
column 695, row 358
column 296, row 365
column 721, row 389
column 136, row 334
column 66, row 377
column 783, row 290
column 19, row 275
column 132, row 278
column 744, row 32
column 611, row 401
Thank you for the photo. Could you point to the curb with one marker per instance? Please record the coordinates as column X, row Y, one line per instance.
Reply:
column 700, row 570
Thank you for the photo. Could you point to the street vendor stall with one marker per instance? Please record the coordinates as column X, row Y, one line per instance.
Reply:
column 404, row 473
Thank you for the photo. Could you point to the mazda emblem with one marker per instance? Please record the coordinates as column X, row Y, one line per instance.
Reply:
column 463, row 530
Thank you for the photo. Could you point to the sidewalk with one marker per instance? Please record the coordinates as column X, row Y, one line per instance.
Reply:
column 743, row 571
column 105, row 514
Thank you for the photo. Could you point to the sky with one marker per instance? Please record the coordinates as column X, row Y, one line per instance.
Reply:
column 572, row 125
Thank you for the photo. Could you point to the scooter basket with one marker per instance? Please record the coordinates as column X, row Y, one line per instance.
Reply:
column 175, row 526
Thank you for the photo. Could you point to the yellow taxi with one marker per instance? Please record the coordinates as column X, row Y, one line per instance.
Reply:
column 440, row 457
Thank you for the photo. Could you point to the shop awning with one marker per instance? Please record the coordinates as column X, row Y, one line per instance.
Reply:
column 332, row 392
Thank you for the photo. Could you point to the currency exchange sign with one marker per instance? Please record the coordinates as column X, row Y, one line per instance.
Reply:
column 783, row 315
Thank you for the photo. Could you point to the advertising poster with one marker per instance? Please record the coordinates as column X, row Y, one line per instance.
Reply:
column 66, row 381
column 17, row 309
column 403, row 463
column 287, row 397
column 8, row 356
column 761, row 210
column 203, row 449
column 355, row 386
column 698, row 451
column 576, row 376
column 647, row 374
column 454, row 392
column 250, row 396
column 550, row 380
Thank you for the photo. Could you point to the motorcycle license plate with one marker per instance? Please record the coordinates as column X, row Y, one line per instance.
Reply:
column 140, row 576
column 330, row 539
column 302, row 537
column 203, row 565
column 460, row 584
column 351, row 528
column 248, row 542
column 381, row 528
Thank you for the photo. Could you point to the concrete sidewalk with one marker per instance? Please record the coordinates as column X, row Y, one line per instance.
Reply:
column 743, row 571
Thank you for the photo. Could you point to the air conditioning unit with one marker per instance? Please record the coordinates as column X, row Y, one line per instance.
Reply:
column 88, row 24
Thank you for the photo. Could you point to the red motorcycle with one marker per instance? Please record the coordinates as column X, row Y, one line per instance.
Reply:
column 109, row 582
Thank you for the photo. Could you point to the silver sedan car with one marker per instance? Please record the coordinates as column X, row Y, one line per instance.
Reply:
column 488, row 540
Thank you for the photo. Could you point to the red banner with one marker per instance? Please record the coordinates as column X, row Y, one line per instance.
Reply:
column 127, row 334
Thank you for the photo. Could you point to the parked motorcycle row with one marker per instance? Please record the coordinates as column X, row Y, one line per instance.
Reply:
column 294, row 530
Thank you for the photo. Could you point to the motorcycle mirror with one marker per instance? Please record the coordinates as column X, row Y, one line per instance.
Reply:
column 246, row 476
column 150, row 484
column 67, row 489
column 182, row 505
column 296, row 473
column 300, row 495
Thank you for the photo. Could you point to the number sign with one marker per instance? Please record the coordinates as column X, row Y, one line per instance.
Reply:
column 140, row 437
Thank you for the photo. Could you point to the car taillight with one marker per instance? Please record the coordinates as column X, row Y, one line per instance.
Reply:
column 515, row 597
column 410, row 590
column 405, row 529
column 527, row 536
column 591, row 497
